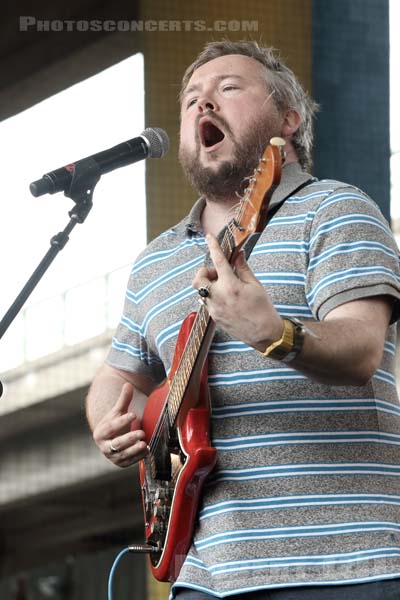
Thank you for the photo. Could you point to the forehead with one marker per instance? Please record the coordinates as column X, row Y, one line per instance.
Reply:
column 224, row 66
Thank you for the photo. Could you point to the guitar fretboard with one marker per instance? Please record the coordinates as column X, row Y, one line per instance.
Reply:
column 194, row 343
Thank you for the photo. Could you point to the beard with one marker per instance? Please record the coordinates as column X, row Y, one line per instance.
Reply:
column 229, row 179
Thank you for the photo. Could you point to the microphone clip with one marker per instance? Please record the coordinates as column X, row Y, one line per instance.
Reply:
column 85, row 175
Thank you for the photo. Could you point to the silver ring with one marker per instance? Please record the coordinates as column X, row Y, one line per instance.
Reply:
column 113, row 449
column 204, row 291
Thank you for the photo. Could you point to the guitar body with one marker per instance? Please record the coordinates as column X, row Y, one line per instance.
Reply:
column 172, row 477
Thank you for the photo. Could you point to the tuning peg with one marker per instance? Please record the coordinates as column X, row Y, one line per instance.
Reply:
column 277, row 141
column 280, row 143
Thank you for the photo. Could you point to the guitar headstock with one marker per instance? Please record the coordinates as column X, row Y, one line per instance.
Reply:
column 251, row 214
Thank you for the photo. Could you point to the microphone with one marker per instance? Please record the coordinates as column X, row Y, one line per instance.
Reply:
column 153, row 142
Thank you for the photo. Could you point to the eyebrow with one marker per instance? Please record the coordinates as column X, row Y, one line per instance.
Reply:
column 218, row 78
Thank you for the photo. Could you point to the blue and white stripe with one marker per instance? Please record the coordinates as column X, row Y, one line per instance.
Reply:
column 139, row 296
column 273, row 533
column 255, row 376
column 303, row 470
column 348, row 249
column 300, row 438
column 292, row 247
column 294, row 405
column 294, row 561
column 154, row 257
column 343, row 197
column 136, row 352
column 347, row 221
column 338, row 277
column 295, row 501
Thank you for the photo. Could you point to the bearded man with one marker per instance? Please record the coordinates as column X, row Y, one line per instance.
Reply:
column 304, row 500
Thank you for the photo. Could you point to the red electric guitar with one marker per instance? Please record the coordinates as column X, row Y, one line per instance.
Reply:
column 177, row 413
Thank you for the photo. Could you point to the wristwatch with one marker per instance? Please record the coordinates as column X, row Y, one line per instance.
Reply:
column 289, row 344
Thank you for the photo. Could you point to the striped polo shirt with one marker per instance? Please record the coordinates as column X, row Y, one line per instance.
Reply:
column 307, row 484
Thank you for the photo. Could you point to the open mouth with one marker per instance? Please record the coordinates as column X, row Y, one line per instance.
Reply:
column 210, row 134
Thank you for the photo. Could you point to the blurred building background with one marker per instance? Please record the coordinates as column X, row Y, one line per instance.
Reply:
column 65, row 513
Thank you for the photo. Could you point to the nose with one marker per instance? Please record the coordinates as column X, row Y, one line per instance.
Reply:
column 207, row 103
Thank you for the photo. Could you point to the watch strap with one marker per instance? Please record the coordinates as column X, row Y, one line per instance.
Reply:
column 289, row 344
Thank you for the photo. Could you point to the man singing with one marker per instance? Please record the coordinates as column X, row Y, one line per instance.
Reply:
column 304, row 501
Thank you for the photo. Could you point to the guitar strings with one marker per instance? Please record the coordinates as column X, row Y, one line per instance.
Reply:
column 178, row 386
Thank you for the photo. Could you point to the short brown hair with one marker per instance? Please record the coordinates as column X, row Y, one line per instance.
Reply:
column 288, row 93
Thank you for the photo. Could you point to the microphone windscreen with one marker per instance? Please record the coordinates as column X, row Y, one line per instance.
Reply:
column 158, row 141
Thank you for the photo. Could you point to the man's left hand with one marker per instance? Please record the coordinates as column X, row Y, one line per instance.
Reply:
column 237, row 302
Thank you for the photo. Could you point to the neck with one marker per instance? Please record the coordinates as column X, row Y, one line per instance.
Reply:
column 217, row 213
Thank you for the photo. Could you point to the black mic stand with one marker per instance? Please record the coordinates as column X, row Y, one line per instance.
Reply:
column 86, row 175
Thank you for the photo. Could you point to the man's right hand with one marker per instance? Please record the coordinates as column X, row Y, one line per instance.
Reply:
column 118, row 434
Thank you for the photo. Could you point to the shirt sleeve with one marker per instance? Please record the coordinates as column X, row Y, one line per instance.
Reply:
column 130, row 349
column 352, row 253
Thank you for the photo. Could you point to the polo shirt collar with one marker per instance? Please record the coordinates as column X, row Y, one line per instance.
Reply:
column 292, row 177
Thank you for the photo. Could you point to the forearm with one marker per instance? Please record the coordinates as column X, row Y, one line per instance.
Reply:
column 106, row 389
column 103, row 394
column 338, row 352
column 347, row 347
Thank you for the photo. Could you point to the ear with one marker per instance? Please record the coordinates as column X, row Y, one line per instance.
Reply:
column 291, row 123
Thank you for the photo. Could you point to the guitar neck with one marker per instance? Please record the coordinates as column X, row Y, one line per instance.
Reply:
column 198, row 343
column 193, row 357
column 249, row 218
